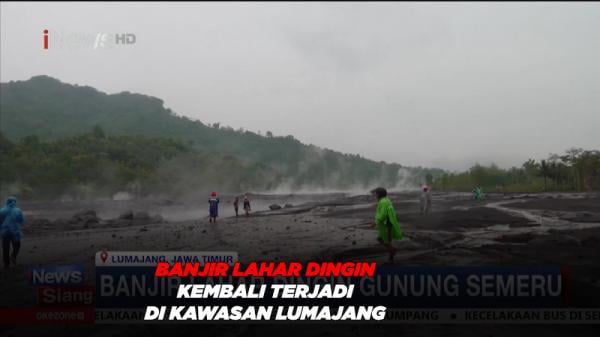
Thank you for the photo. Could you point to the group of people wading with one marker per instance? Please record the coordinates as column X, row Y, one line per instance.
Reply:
column 213, row 206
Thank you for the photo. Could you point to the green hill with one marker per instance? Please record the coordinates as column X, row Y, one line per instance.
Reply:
column 52, row 110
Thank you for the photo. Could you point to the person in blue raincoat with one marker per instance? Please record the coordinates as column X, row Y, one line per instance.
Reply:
column 11, row 220
column 213, row 207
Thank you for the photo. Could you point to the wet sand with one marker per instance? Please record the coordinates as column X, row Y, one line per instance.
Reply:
column 502, row 230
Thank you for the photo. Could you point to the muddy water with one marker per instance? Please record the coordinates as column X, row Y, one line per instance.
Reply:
column 521, row 224
column 545, row 222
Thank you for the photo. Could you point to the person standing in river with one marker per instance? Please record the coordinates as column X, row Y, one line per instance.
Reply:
column 386, row 221
column 247, row 205
column 213, row 207
column 425, row 200
column 236, row 203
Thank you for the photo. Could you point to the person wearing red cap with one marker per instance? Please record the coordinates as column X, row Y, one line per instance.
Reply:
column 425, row 199
column 213, row 207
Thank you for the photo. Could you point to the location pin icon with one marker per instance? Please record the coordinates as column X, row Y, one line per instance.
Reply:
column 103, row 256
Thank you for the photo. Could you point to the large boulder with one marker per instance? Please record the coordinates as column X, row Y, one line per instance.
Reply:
column 118, row 222
column 139, row 218
column 122, row 196
column 127, row 215
column 40, row 223
column 274, row 207
column 85, row 219
column 61, row 223
column 84, row 215
column 142, row 216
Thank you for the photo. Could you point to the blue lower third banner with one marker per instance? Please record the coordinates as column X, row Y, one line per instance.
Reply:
column 125, row 280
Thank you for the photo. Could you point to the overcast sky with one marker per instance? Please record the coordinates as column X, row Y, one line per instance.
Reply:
column 430, row 84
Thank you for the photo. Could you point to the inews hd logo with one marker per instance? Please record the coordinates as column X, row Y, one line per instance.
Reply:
column 56, row 39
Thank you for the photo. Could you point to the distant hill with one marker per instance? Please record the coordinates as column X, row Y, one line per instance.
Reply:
column 53, row 110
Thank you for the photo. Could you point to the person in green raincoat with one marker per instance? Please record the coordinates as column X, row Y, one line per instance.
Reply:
column 386, row 221
column 477, row 193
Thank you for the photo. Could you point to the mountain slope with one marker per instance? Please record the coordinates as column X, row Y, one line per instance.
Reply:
column 45, row 107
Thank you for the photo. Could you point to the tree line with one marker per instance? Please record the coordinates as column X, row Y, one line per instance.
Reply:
column 576, row 170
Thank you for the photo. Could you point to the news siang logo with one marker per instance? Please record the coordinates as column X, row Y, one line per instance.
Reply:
column 61, row 40
column 65, row 296
column 56, row 275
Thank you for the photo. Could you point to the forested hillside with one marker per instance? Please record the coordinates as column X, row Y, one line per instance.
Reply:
column 54, row 111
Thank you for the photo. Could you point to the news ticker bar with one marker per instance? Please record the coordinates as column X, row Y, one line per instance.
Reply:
column 405, row 316
column 87, row 315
